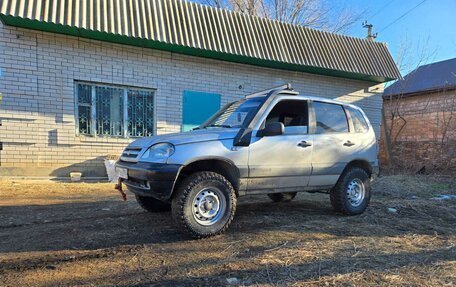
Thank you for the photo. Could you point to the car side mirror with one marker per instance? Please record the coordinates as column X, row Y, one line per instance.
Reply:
column 273, row 129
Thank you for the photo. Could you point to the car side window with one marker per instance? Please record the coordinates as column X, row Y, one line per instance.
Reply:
column 359, row 122
column 330, row 118
column 293, row 114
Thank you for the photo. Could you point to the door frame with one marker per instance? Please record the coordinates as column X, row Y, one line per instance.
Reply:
column 257, row 127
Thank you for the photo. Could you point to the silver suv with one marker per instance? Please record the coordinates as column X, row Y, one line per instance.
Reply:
column 273, row 142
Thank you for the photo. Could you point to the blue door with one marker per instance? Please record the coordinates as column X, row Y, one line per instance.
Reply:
column 197, row 108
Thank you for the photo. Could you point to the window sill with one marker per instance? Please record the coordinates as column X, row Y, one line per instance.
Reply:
column 93, row 139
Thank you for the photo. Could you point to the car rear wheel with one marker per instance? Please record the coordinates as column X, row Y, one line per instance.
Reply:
column 204, row 204
column 151, row 204
column 352, row 193
column 282, row 197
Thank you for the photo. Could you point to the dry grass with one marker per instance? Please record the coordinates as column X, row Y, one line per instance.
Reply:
column 57, row 234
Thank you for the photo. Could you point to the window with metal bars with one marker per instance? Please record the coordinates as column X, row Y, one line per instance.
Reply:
column 114, row 111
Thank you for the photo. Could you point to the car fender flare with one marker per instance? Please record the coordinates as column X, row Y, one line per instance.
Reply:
column 233, row 173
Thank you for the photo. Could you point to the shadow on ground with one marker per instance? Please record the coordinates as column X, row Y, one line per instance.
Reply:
column 113, row 223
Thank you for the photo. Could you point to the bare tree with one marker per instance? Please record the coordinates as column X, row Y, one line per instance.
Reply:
column 437, row 111
column 405, row 62
column 319, row 14
column 216, row 3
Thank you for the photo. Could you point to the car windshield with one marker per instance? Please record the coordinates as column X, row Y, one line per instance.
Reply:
column 235, row 115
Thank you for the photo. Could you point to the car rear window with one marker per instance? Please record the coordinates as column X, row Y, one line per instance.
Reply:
column 359, row 122
column 330, row 118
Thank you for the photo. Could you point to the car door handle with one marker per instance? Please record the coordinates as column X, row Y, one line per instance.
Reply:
column 304, row 144
column 349, row 143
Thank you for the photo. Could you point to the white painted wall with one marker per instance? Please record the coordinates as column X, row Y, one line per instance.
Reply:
column 37, row 80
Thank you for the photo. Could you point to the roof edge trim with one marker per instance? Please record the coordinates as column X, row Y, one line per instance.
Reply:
column 146, row 43
column 421, row 92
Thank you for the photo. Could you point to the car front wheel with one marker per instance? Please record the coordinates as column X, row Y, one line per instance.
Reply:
column 204, row 204
column 352, row 193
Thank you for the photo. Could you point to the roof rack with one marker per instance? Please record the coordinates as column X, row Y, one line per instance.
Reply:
column 286, row 87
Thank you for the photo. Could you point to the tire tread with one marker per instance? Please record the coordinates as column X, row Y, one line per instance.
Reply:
column 337, row 194
column 183, row 191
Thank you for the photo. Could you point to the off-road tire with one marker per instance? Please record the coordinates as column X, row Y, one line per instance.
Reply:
column 182, row 204
column 339, row 197
column 151, row 204
column 282, row 197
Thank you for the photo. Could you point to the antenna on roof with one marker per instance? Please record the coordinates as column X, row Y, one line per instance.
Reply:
column 370, row 36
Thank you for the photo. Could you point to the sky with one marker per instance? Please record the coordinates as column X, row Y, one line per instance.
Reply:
column 428, row 31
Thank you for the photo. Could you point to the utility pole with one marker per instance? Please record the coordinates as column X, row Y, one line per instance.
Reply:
column 370, row 36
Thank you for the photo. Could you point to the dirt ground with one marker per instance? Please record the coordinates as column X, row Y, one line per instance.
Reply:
column 56, row 234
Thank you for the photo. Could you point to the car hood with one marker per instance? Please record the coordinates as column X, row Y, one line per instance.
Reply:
column 201, row 135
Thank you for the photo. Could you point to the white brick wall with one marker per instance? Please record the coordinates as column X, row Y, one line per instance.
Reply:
column 38, row 74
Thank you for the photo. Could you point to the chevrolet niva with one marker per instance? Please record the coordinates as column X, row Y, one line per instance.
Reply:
column 273, row 142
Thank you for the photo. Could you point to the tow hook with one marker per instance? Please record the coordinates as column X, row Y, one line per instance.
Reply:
column 118, row 186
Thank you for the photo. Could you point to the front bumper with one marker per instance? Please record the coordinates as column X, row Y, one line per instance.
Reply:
column 150, row 179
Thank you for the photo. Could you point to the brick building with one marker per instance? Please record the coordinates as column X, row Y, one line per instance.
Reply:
column 419, row 133
column 80, row 79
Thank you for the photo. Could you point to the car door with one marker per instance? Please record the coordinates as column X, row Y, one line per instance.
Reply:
column 333, row 143
column 364, row 140
column 282, row 162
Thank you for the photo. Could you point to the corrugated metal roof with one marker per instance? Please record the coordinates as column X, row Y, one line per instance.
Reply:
column 200, row 30
column 430, row 77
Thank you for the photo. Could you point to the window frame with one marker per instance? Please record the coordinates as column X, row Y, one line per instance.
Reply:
column 275, row 103
column 93, row 114
column 314, row 118
column 363, row 116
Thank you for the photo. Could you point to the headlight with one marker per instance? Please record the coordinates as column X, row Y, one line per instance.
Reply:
column 158, row 152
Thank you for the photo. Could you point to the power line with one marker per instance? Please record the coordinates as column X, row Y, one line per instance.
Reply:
column 381, row 9
column 402, row 16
